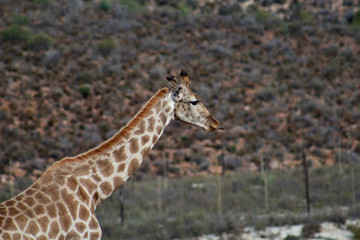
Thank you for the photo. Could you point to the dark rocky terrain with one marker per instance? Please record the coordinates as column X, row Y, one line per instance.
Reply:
column 282, row 77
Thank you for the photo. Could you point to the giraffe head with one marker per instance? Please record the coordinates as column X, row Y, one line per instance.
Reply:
column 188, row 107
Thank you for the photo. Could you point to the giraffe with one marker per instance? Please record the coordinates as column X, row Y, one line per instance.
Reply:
column 61, row 203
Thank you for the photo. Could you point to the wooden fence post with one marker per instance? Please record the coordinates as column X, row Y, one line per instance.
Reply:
column 307, row 190
column 122, row 205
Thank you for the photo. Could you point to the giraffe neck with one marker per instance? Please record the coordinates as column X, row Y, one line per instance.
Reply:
column 94, row 175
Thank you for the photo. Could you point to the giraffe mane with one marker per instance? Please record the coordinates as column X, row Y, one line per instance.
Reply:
column 123, row 132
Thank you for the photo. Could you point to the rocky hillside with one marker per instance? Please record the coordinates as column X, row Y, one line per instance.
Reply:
column 282, row 76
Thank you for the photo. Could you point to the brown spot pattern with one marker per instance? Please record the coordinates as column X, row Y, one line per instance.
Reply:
column 93, row 223
column 163, row 118
column 89, row 185
column 21, row 221
column 105, row 167
column 80, row 227
column 118, row 181
column 19, row 197
column 158, row 107
column 133, row 166
column 151, row 124
column 54, row 230
column 96, row 197
column 20, row 206
column 10, row 203
column 43, row 237
column 140, row 128
column 33, row 228
column 82, row 170
column 106, row 188
column 51, row 191
column 84, row 213
column 158, row 130
column 96, row 177
column 13, row 211
column 94, row 235
column 134, row 145
column 72, row 235
column 70, row 202
column 82, row 195
column 121, row 167
column 44, row 223
column 72, row 183
column 28, row 192
column 61, row 209
column 1, row 222
column 16, row 236
column 41, row 198
column 3, row 210
column 145, row 139
column 154, row 139
column 164, row 104
column 39, row 209
column 51, row 210
column 46, row 178
column 9, row 224
column 120, row 154
column 29, row 201
column 29, row 213
column 145, row 152
column 6, row 236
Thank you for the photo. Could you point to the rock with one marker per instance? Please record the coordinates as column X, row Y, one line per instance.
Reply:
column 51, row 57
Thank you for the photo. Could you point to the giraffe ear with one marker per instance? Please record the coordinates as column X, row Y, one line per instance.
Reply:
column 172, row 80
column 176, row 94
column 184, row 77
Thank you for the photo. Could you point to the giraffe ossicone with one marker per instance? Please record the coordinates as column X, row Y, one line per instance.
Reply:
column 61, row 203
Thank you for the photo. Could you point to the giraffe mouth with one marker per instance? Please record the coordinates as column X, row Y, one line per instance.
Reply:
column 211, row 128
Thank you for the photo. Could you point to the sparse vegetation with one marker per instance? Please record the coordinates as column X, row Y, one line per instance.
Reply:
column 105, row 5
column 310, row 229
column 15, row 34
column 106, row 47
column 40, row 41
column 190, row 206
column 20, row 19
column 133, row 6
column 355, row 230
column 84, row 90
column 356, row 19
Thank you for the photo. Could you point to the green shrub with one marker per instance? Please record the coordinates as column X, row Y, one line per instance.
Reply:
column 40, row 41
column 105, row 5
column 356, row 20
column 264, row 17
column 20, row 19
column 39, row 1
column 15, row 34
column 106, row 47
column 307, row 17
column 291, row 237
column 184, row 9
column 132, row 6
column 355, row 230
column 310, row 229
column 84, row 90
column 84, row 77
column 338, row 216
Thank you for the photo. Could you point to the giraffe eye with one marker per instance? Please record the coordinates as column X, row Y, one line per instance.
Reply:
column 194, row 102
